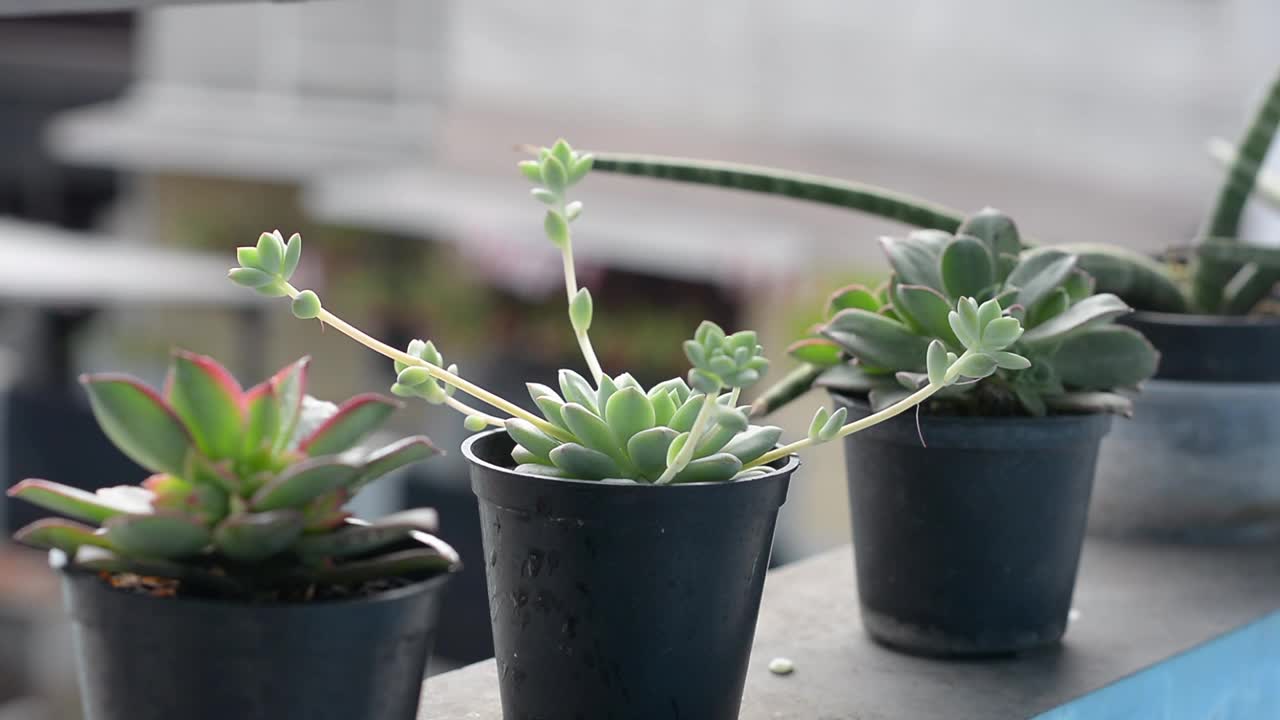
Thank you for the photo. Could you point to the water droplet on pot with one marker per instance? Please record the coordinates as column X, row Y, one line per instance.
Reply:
column 519, row 598
column 532, row 564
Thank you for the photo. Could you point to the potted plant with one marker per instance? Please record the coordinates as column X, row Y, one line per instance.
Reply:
column 1197, row 462
column 627, row 531
column 231, row 583
column 968, row 520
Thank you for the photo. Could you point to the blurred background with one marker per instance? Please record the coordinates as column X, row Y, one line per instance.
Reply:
column 137, row 149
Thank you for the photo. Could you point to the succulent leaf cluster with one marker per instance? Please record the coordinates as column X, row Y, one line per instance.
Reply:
column 979, row 290
column 248, row 486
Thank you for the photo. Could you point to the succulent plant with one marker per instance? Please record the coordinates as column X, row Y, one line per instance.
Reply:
column 1229, row 282
column 1069, row 358
column 609, row 427
column 248, row 488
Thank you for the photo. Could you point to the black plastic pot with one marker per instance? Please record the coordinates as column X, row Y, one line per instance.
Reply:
column 621, row 601
column 1199, row 461
column 146, row 657
column 969, row 546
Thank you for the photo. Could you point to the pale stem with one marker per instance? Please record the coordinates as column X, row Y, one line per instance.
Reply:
column 893, row 410
column 438, row 373
column 466, row 409
column 571, row 289
column 682, row 458
column 733, row 397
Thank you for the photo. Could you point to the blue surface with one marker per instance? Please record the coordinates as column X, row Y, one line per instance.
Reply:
column 1233, row 677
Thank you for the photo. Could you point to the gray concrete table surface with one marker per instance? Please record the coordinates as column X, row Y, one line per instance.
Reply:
column 21, row 8
column 1135, row 605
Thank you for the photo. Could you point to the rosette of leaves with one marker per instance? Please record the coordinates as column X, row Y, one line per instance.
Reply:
column 874, row 343
column 248, row 490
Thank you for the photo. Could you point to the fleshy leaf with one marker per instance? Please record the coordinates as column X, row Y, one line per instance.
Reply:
column 967, row 267
column 715, row 468
column 814, row 351
column 1038, row 273
column 253, row 537
column 753, row 443
column 687, row 413
column 664, row 407
column 538, row 443
column 366, row 538
column 303, row 482
column 582, row 463
column 629, row 412
column 160, row 536
column 405, row 563
column 290, row 386
column 877, row 340
column 66, row 500
column 995, row 229
column 648, row 450
column 913, row 261
column 355, row 419
column 138, row 422
column 592, row 432
column 1086, row 313
column 210, row 403
column 393, row 457
column 262, row 420
column 847, row 378
column 928, row 308
column 852, row 296
column 575, row 389
column 65, row 535
column 1104, row 358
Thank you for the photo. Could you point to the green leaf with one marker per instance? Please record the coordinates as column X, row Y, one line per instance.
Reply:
column 851, row 296
column 393, row 457
column 936, row 362
column 674, row 385
column 552, row 409
column 401, row 564
column 363, row 539
column 987, row 313
column 648, row 450
column 250, row 277
column 995, row 229
column 562, row 152
column 576, row 389
column 67, row 500
column 607, row 387
column 1052, row 305
column 664, row 407
column 975, row 366
column 913, row 260
column 262, row 426
column 544, row 471
column 629, row 412
column 248, row 257
column 290, row 384
column 1038, row 273
column 964, row 322
column 1032, row 401
column 1104, row 358
column 967, row 267
column 593, row 432
column 753, row 443
column 581, row 167
column 1092, row 402
column 833, row 424
column 303, row 482
column 531, row 169
column 848, row 378
column 556, row 228
column 271, row 252
column 704, row 382
column 1079, row 284
column 580, row 310
column 1089, row 312
column 292, row 254
column 355, row 419
column 716, row 468
column 209, row 401
column 156, row 536
column 815, row 425
column 554, row 174
column 531, row 438
column 582, row 463
column 1010, row 361
column 254, row 537
column 1001, row 333
column 687, row 413
column 877, row 340
column 306, row 306
column 64, row 535
column 928, row 308
column 138, row 422
column 822, row 353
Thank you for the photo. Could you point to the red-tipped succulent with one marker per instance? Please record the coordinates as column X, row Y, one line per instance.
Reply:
column 248, row 486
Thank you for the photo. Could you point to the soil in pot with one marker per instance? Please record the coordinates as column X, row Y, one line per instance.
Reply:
column 969, row 545
column 145, row 653
column 615, row 601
